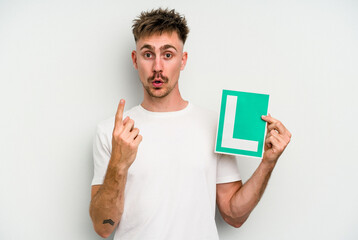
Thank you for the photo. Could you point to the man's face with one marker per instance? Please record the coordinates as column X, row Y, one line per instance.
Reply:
column 159, row 60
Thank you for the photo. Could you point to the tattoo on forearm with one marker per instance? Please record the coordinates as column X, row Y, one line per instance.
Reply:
column 110, row 221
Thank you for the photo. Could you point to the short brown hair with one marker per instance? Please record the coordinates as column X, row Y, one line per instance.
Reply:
column 159, row 21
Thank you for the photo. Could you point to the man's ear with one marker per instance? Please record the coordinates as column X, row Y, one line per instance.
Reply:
column 183, row 60
column 134, row 59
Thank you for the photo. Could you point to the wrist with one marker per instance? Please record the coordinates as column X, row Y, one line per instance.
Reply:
column 122, row 168
column 116, row 164
column 270, row 165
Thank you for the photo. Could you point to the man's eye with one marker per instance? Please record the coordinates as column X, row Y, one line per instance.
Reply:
column 148, row 55
column 168, row 55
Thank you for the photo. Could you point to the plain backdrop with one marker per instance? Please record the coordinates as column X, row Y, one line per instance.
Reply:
column 65, row 64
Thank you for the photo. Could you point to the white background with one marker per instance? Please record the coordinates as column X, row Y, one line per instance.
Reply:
column 65, row 64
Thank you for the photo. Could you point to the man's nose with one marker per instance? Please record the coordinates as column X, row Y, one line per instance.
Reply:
column 158, row 65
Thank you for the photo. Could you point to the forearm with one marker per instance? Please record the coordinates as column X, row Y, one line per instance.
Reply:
column 247, row 197
column 239, row 201
column 107, row 204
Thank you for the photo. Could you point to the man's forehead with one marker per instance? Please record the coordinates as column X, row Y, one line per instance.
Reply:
column 161, row 41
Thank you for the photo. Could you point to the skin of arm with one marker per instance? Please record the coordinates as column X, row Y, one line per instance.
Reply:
column 236, row 200
column 107, row 200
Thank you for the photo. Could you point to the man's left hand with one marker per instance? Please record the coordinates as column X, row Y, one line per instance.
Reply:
column 277, row 139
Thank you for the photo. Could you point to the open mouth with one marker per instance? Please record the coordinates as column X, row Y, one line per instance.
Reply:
column 157, row 80
column 157, row 83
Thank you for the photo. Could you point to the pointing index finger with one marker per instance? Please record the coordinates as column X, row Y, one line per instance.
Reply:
column 119, row 114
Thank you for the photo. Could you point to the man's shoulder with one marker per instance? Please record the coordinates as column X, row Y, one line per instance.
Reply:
column 204, row 116
column 105, row 125
column 204, row 112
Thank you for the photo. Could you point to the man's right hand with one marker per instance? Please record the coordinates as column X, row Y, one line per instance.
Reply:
column 107, row 201
column 125, row 139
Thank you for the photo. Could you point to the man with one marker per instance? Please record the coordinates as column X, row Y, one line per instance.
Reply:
column 164, row 185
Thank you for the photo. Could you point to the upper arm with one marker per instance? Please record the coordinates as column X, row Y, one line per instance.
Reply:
column 224, row 193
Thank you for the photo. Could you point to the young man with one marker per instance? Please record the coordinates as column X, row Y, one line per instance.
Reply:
column 165, row 184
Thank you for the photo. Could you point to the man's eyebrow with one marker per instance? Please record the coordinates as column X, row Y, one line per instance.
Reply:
column 147, row 46
column 167, row 46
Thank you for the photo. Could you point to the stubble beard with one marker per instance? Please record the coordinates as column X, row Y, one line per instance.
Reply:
column 152, row 92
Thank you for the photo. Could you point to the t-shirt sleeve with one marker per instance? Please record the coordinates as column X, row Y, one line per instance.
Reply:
column 227, row 170
column 101, row 156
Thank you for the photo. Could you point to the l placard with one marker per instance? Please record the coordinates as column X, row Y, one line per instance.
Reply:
column 241, row 131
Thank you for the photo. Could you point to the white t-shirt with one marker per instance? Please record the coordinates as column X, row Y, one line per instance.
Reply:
column 171, row 186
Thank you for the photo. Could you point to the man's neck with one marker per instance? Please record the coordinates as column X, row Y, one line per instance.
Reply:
column 172, row 102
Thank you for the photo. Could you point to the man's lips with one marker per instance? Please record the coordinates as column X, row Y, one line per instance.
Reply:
column 157, row 80
column 157, row 83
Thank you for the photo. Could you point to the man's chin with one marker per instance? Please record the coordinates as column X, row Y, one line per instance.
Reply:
column 158, row 93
